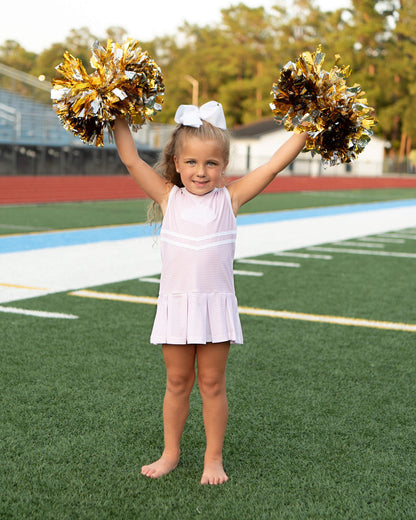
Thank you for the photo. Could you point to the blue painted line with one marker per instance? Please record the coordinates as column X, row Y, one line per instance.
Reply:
column 32, row 241
column 328, row 211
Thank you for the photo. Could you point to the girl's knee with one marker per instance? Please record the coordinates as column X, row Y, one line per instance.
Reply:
column 211, row 386
column 180, row 384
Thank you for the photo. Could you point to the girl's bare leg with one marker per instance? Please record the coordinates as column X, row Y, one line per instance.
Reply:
column 212, row 362
column 180, row 378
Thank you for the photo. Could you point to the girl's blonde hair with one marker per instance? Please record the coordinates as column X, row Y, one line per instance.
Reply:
column 166, row 165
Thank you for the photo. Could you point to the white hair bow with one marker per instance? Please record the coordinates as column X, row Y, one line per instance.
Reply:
column 191, row 115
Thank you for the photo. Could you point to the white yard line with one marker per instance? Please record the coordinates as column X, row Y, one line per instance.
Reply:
column 401, row 235
column 359, row 244
column 397, row 254
column 382, row 240
column 37, row 314
column 247, row 273
column 267, row 262
column 304, row 255
column 149, row 279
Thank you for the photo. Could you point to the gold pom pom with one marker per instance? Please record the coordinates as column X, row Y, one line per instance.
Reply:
column 310, row 99
column 126, row 83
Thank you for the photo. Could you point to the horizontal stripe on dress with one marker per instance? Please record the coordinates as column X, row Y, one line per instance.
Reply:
column 198, row 248
column 198, row 239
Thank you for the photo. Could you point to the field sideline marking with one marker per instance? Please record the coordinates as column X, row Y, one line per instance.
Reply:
column 337, row 320
column 85, row 293
column 38, row 314
column 14, row 286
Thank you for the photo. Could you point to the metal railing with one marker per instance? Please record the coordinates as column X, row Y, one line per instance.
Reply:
column 33, row 81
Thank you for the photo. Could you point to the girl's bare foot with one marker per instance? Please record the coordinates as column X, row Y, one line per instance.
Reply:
column 213, row 473
column 161, row 467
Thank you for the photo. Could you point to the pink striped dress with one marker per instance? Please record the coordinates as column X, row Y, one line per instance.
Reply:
column 197, row 302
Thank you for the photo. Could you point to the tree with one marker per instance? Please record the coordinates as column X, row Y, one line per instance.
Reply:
column 402, row 51
column 14, row 55
column 384, row 47
column 237, row 60
column 79, row 42
column 227, row 59
column 48, row 59
column 251, row 40
column 116, row 33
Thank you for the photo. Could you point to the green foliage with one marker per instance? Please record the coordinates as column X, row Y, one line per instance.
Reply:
column 14, row 55
column 237, row 60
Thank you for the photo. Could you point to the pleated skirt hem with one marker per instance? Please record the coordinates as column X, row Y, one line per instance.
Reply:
column 194, row 318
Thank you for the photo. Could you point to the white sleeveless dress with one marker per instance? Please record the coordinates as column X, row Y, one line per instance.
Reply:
column 197, row 302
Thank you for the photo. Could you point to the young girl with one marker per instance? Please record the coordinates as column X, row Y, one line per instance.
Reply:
column 197, row 316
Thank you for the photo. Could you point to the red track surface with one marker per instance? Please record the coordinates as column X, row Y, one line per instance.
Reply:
column 42, row 189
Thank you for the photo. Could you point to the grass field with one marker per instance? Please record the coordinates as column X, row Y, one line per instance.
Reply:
column 322, row 416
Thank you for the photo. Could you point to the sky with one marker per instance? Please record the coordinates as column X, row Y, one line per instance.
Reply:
column 36, row 24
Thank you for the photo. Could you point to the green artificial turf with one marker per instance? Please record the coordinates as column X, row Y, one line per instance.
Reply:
column 356, row 286
column 322, row 417
column 322, row 420
column 313, row 199
column 47, row 217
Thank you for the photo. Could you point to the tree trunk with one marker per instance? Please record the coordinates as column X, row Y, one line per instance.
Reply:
column 402, row 151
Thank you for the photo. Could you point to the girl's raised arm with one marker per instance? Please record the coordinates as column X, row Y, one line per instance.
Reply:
column 146, row 177
column 246, row 188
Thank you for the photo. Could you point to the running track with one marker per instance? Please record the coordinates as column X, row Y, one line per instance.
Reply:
column 48, row 189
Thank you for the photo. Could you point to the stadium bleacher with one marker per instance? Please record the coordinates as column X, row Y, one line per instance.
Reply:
column 33, row 142
column 28, row 122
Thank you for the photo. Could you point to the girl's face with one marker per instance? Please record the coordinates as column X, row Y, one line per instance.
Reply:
column 201, row 164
